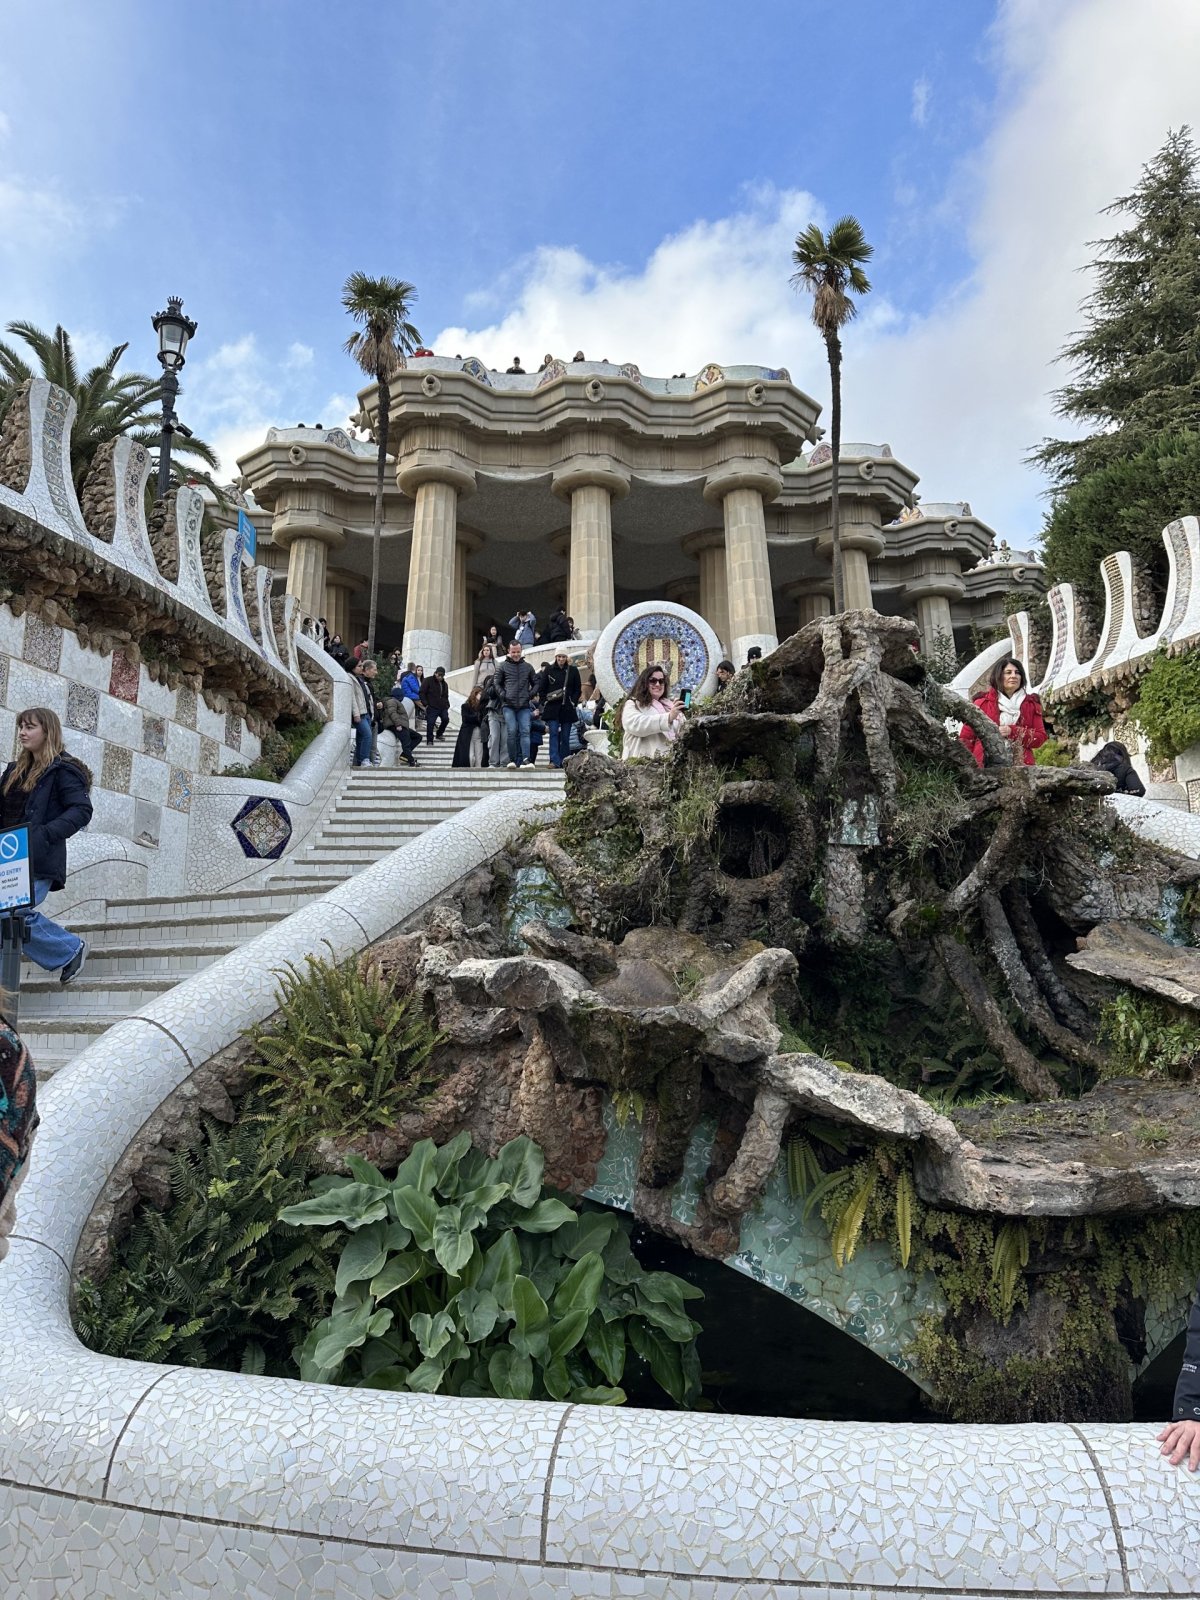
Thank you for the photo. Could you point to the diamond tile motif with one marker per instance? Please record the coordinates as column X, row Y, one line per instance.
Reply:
column 185, row 706
column 83, row 707
column 210, row 755
column 3, row 680
column 154, row 735
column 116, row 772
column 123, row 680
column 263, row 829
column 233, row 731
column 43, row 644
column 179, row 793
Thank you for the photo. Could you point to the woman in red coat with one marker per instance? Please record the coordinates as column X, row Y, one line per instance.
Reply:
column 1015, row 708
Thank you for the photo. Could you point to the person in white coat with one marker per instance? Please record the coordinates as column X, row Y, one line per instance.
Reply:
column 650, row 723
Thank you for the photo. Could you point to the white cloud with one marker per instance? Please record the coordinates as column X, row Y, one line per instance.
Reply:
column 234, row 395
column 921, row 95
column 960, row 393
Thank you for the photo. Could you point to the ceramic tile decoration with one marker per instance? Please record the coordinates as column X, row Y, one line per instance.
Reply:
column 657, row 631
column 233, row 730
column 185, row 705
column 123, row 684
column 3, row 680
column 210, row 755
column 43, row 643
column 117, row 770
column 263, row 828
column 179, row 790
column 154, row 735
column 83, row 707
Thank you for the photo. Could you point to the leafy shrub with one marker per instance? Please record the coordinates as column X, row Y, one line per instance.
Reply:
column 1055, row 753
column 1149, row 1038
column 281, row 749
column 930, row 805
column 345, row 1053
column 1168, row 707
column 216, row 1280
column 460, row 1278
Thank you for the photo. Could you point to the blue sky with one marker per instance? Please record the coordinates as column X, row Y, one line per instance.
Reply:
column 627, row 178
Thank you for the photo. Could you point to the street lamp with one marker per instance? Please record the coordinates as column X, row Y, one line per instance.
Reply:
column 173, row 330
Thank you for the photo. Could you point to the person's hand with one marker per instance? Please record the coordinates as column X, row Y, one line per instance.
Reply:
column 1180, row 1439
column 676, row 709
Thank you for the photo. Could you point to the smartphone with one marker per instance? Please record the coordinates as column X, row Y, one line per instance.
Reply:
column 687, row 699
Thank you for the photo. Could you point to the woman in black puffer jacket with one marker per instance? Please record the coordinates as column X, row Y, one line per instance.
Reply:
column 1114, row 757
column 46, row 791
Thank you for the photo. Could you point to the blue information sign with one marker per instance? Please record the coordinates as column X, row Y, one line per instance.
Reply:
column 16, row 886
column 248, row 534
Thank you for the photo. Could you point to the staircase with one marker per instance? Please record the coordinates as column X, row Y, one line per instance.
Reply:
column 142, row 947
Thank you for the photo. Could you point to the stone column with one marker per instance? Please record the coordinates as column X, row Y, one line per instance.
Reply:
column 591, row 483
column 464, row 648
column 743, row 487
column 429, row 618
column 339, row 587
column 707, row 548
column 813, row 600
column 308, row 539
column 862, row 543
column 930, row 594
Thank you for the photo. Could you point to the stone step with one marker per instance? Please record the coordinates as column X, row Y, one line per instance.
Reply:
column 233, row 904
column 46, row 999
column 235, row 930
column 172, row 954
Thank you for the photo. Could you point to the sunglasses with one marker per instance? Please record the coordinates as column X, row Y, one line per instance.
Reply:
column 656, row 680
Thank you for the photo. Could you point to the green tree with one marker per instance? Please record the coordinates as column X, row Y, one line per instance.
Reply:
column 108, row 404
column 827, row 266
column 1135, row 379
column 379, row 345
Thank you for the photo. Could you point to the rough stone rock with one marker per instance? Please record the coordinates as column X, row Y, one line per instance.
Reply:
column 1129, row 954
column 98, row 496
column 594, row 958
column 16, row 443
column 521, row 982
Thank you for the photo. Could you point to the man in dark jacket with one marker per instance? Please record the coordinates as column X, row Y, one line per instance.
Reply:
column 1180, row 1439
column 558, row 628
column 558, row 692
column 396, row 717
column 513, row 682
column 435, row 692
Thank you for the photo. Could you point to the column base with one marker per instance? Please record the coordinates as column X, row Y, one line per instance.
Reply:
column 428, row 648
column 765, row 641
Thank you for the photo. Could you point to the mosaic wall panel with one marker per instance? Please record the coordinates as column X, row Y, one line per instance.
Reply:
column 185, row 706
column 233, row 730
column 117, row 770
column 179, row 791
column 263, row 828
column 4, row 680
column 83, row 707
column 123, row 680
column 43, row 644
column 210, row 756
column 154, row 735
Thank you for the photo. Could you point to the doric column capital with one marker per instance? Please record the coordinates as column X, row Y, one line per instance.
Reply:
column 584, row 471
column 684, row 592
column 560, row 542
column 855, row 536
column 290, row 525
column 927, row 585
column 702, row 539
column 339, row 578
column 801, row 588
column 435, row 466
column 468, row 540
column 743, row 472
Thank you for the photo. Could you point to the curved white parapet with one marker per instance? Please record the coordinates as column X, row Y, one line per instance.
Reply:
column 1121, row 642
column 122, row 1479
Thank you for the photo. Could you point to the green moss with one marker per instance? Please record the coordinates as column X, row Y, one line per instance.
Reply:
column 1168, row 707
column 1149, row 1038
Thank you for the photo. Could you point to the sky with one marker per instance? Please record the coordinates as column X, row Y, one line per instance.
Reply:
column 627, row 179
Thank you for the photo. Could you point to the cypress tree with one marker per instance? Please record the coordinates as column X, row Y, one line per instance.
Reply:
column 1135, row 382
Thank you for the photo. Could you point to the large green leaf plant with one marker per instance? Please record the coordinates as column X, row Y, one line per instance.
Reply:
column 459, row 1276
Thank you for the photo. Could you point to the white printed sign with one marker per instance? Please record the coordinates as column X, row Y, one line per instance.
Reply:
column 16, row 885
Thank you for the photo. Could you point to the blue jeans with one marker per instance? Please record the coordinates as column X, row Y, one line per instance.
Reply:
column 47, row 944
column 560, row 742
column 516, row 723
column 362, row 742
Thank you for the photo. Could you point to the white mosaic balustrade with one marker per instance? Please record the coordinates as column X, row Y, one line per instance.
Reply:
column 123, row 1480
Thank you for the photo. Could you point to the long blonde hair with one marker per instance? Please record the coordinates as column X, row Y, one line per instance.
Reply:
column 28, row 768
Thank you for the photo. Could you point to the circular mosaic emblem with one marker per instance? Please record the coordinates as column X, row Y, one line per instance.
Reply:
column 657, row 631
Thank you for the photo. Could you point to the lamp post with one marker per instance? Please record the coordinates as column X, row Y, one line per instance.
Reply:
column 173, row 330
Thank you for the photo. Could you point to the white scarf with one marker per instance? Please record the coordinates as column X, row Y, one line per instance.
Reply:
column 1010, row 707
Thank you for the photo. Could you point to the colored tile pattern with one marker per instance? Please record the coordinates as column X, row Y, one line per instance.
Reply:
column 3, row 680
column 43, row 643
column 210, row 756
column 659, row 636
column 474, row 368
column 179, row 791
column 185, row 706
column 83, row 707
column 123, row 679
column 233, row 730
column 116, row 772
column 154, row 735
column 63, row 500
column 711, row 374
column 263, row 828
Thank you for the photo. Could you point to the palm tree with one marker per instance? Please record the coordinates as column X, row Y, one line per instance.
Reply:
column 108, row 404
column 828, row 265
column 379, row 346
